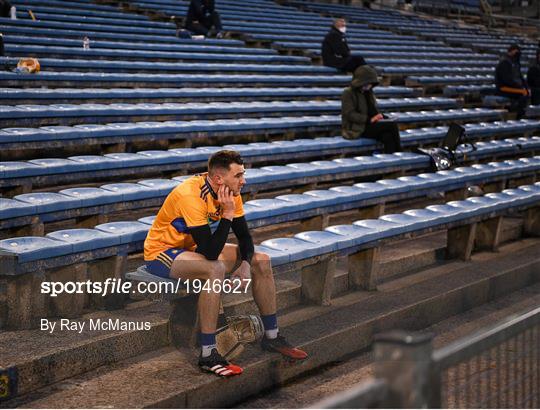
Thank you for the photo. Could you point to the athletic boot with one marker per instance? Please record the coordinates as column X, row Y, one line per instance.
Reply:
column 280, row 345
column 216, row 363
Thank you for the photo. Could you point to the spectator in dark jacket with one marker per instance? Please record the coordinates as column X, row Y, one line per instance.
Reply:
column 5, row 8
column 533, row 79
column 336, row 52
column 510, row 82
column 202, row 17
column 360, row 116
column 5, row 11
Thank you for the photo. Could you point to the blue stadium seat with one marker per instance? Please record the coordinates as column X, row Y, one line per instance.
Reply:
column 325, row 241
column 49, row 201
column 495, row 101
column 132, row 192
column 126, row 231
column 11, row 208
column 93, row 196
column 83, row 240
column 30, row 248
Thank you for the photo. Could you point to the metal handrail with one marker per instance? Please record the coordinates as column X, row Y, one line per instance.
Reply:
column 469, row 347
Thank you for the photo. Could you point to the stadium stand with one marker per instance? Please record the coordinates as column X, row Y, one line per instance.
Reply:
column 49, row 171
column 91, row 146
column 83, row 202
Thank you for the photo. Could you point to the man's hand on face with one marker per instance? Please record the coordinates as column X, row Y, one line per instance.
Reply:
column 243, row 272
column 226, row 199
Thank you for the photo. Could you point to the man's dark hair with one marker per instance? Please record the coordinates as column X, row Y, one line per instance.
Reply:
column 514, row 47
column 224, row 159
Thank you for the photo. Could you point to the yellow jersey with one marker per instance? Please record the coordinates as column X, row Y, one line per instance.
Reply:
column 192, row 203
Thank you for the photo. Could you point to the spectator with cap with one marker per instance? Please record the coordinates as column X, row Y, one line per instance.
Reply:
column 510, row 82
column 335, row 50
column 533, row 79
column 202, row 17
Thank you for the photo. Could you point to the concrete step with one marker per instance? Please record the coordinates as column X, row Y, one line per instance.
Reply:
column 341, row 376
column 37, row 349
column 38, row 353
column 169, row 378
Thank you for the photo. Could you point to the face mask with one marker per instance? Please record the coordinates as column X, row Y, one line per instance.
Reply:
column 343, row 29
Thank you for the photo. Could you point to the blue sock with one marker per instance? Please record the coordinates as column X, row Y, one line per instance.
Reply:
column 208, row 342
column 271, row 329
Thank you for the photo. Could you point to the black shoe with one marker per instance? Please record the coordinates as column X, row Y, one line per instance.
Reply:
column 216, row 363
column 280, row 345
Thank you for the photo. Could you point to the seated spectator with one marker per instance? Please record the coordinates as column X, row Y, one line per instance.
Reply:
column 360, row 116
column 203, row 17
column 336, row 52
column 533, row 79
column 5, row 8
column 510, row 82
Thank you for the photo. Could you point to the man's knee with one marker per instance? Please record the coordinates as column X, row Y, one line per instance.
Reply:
column 230, row 254
column 217, row 270
column 261, row 262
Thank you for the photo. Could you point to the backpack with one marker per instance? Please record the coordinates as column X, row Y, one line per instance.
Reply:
column 444, row 156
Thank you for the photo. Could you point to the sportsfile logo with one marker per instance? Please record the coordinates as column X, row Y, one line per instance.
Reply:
column 113, row 286
column 108, row 287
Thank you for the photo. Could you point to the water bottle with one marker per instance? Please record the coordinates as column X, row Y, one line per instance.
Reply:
column 86, row 43
column 13, row 12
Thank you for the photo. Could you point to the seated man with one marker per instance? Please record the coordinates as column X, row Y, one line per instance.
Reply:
column 336, row 52
column 533, row 79
column 360, row 116
column 510, row 82
column 181, row 245
column 202, row 17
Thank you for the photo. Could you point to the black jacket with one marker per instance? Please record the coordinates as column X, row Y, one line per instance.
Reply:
column 508, row 74
column 5, row 8
column 335, row 49
column 198, row 9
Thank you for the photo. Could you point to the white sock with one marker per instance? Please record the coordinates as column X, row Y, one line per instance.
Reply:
column 272, row 333
column 207, row 350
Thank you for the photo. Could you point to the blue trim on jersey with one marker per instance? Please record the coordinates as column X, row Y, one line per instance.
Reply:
column 180, row 225
column 212, row 192
column 161, row 266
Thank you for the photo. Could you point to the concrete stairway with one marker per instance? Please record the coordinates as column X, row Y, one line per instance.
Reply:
column 140, row 369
